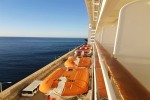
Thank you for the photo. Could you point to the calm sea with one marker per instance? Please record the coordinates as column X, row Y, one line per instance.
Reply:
column 20, row 57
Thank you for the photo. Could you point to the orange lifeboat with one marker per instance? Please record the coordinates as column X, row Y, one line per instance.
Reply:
column 81, row 53
column 87, row 45
column 85, row 49
column 77, row 81
column 76, row 61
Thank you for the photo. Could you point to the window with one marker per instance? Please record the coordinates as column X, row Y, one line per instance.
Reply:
column 27, row 92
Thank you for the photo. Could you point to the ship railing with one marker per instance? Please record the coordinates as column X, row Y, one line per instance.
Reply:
column 95, row 94
column 109, row 88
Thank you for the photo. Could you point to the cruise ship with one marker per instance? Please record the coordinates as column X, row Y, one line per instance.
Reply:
column 119, row 53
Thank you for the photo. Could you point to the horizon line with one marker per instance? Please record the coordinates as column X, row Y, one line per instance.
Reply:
column 40, row 37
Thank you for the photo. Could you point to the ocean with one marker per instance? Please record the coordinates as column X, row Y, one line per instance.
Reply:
column 21, row 56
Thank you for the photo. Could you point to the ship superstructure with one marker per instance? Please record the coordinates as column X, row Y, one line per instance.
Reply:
column 121, row 32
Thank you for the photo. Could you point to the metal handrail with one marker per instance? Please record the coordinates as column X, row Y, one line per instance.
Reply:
column 94, row 73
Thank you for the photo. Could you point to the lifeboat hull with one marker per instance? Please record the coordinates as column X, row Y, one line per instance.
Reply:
column 84, row 62
column 77, row 81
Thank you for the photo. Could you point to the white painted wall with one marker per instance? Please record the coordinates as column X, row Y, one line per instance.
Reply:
column 133, row 34
column 108, row 38
column 132, row 44
column 108, row 35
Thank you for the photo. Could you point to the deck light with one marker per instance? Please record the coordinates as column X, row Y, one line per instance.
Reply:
column 1, row 83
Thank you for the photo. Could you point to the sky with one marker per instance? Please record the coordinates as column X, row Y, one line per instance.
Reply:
column 43, row 18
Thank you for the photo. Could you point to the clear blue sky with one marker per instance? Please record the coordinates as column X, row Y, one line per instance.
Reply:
column 43, row 18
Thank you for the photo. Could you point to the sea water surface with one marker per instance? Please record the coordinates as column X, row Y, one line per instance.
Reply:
column 21, row 56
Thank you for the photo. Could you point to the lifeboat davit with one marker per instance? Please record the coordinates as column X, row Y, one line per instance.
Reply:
column 78, row 62
column 77, row 81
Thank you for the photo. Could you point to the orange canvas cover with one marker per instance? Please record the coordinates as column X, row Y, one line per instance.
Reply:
column 83, row 62
column 77, row 81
